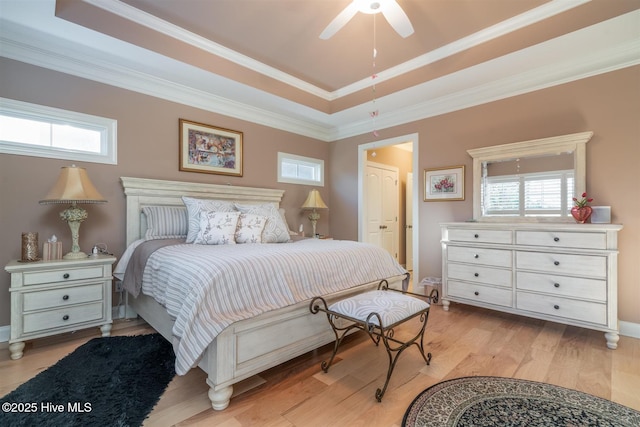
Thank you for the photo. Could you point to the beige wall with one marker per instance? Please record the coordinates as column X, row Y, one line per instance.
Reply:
column 608, row 105
column 147, row 148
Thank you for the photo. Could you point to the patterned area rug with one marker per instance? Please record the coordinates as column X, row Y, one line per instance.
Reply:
column 495, row 401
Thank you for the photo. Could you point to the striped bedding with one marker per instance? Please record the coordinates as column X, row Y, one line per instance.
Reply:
column 208, row 287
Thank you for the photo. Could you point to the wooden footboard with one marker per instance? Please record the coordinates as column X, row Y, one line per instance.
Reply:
column 251, row 346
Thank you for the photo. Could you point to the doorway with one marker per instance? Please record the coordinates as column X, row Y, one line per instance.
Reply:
column 364, row 153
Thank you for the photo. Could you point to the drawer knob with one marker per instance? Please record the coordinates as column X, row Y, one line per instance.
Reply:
column 556, row 239
column 557, row 307
column 476, row 293
column 556, row 262
column 65, row 276
column 476, row 256
column 65, row 297
column 557, row 285
column 476, row 236
column 65, row 317
column 476, row 274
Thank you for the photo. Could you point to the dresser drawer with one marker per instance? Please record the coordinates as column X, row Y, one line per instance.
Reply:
column 480, row 256
column 562, row 239
column 481, row 293
column 68, row 316
column 62, row 275
column 556, row 263
column 591, row 289
column 480, row 274
column 480, row 235
column 62, row 297
column 584, row 311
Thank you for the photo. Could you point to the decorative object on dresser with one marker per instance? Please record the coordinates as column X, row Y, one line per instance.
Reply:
column 209, row 149
column 566, row 273
column 53, row 297
column 30, row 247
column 313, row 202
column 444, row 184
column 601, row 214
column 581, row 211
column 73, row 186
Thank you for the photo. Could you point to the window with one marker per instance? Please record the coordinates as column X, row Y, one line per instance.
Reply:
column 300, row 170
column 539, row 194
column 35, row 130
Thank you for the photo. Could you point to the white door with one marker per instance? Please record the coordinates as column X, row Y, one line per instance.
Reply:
column 382, row 198
column 409, row 222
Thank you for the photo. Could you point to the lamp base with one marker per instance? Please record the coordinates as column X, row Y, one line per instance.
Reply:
column 75, row 255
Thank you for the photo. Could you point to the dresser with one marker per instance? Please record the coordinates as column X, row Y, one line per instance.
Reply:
column 565, row 273
column 52, row 297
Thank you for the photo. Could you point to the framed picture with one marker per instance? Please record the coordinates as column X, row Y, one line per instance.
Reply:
column 444, row 184
column 208, row 149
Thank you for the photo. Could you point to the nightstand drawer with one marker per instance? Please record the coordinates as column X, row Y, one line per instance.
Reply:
column 62, row 275
column 562, row 239
column 480, row 256
column 480, row 293
column 592, row 312
column 62, row 297
column 477, row 273
column 67, row 316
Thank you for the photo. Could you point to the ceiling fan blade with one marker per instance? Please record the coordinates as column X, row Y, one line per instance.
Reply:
column 396, row 17
column 340, row 21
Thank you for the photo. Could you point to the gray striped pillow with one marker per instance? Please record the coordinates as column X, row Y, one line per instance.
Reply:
column 166, row 222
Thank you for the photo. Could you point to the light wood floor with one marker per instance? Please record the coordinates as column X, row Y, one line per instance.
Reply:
column 465, row 341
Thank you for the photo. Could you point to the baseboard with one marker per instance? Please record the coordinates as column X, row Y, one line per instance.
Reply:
column 629, row 329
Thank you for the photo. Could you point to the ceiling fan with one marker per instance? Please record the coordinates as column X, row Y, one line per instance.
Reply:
column 390, row 9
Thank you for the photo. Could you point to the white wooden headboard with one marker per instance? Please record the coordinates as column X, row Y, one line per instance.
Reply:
column 141, row 192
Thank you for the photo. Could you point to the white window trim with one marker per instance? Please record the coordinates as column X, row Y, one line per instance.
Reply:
column 301, row 159
column 107, row 128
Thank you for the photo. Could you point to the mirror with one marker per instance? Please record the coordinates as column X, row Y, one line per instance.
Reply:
column 529, row 180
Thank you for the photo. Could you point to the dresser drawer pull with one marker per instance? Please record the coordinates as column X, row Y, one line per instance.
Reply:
column 476, row 274
column 476, row 256
column 65, row 297
column 557, row 285
column 557, row 307
column 65, row 276
column 556, row 262
column 65, row 317
column 476, row 293
column 476, row 235
column 556, row 239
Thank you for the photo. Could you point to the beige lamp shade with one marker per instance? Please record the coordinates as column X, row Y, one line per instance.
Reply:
column 314, row 201
column 73, row 186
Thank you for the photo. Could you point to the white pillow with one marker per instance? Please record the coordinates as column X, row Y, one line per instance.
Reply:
column 166, row 222
column 217, row 228
column 196, row 206
column 275, row 230
column 249, row 229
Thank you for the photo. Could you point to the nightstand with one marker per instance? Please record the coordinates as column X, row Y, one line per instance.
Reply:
column 53, row 297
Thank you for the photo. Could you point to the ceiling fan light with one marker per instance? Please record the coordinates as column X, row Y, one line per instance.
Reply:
column 370, row 6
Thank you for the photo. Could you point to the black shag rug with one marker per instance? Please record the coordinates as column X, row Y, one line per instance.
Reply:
column 110, row 381
column 504, row 402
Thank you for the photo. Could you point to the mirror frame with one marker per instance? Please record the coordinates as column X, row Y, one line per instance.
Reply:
column 575, row 142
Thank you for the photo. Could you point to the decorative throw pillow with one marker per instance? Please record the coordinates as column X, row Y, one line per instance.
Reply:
column 196, row 206
column 250, row 228
column 165, row 222
column 275, row 230
column 217, row 228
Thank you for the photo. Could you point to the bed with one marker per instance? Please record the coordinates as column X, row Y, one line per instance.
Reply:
column 242, row 348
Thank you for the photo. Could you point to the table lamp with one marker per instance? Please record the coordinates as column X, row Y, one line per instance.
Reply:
column 314, row 201
column 73, row 186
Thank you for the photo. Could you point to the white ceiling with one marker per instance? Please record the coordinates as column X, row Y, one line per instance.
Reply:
column 262, row 60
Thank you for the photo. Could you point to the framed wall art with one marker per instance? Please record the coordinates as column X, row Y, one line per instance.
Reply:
column 444, row 184
column 209, row 149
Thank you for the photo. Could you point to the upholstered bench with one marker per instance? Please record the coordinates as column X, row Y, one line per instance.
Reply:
column 378, row 313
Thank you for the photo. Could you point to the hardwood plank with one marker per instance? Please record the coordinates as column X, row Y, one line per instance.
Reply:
column 464, row 341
